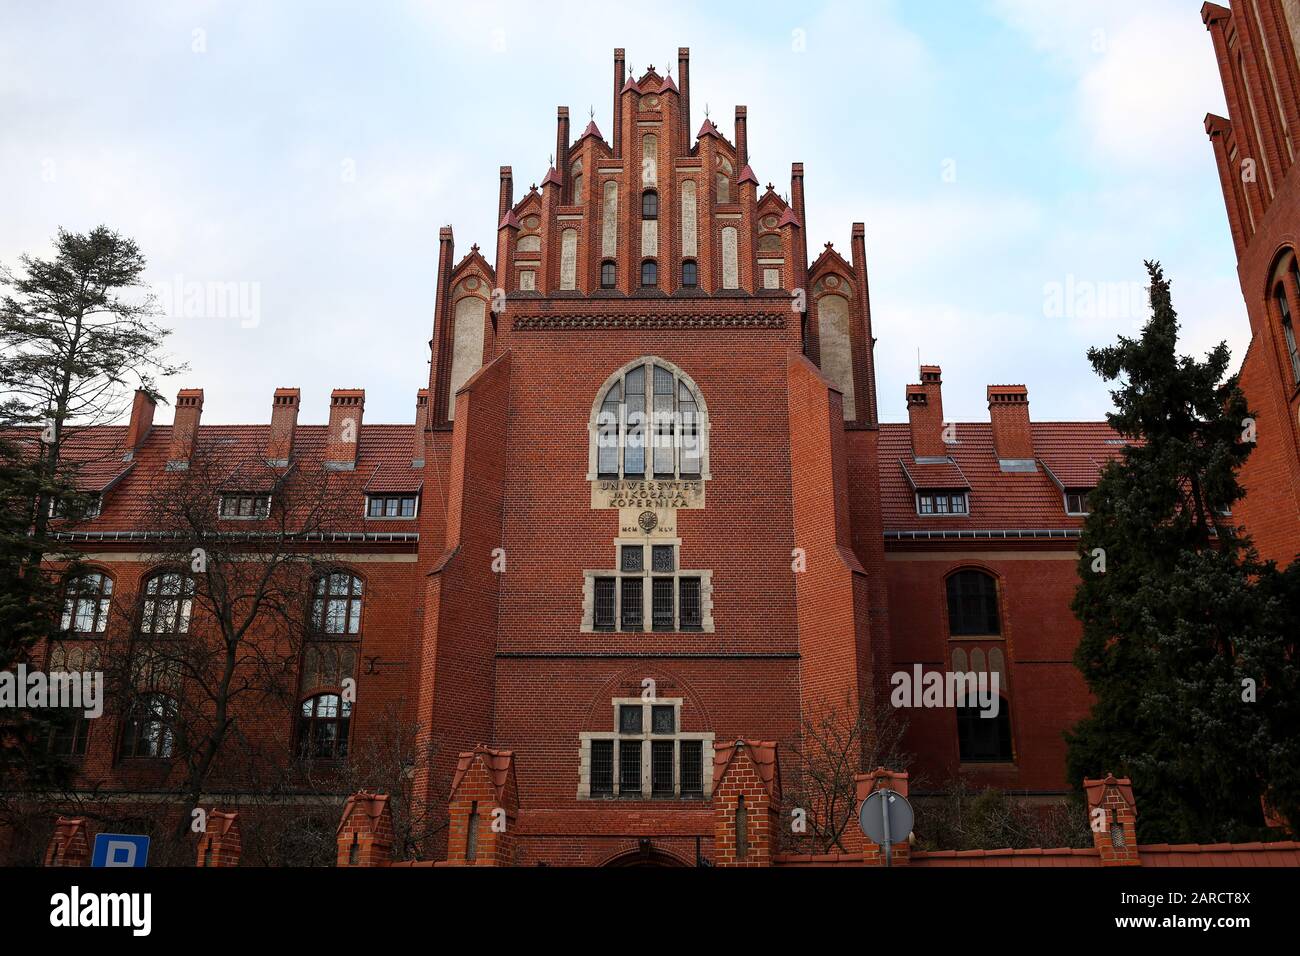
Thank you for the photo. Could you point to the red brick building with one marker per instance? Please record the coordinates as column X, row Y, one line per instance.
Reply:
column 1256, row 42
column 645, row 509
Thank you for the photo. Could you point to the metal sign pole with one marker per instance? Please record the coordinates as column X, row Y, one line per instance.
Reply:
column 889, row 839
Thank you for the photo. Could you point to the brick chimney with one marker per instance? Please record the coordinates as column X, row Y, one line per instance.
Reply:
column 619, row 70
column 284, row 419
column 346, row 407
column 1112, row 818
column 925, row 414
column 1009, row 411
column 684, row 88
column 562, row 150
column 422, row 425
column 185, row 428
column 742, row 136
column 141, row 424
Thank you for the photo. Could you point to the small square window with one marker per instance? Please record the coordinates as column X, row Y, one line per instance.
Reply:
column 629, row 719
column 662, row 559
column 632, row 558
column 663, row 719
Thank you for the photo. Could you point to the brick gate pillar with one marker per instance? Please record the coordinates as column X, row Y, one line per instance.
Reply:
column 483, row 809
column 221, row 844
column 1112, row 818
column 746, row 800
column 69, row 845
column 873, row 854
column 365, row 834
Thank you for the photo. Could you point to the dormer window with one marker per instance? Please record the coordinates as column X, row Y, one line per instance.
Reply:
column 391, row 506
column 82, row 510
column 944, row 503
column 1076, row 502
column 245, row 506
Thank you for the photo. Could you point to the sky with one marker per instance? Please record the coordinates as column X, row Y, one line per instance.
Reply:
column 1014, row 161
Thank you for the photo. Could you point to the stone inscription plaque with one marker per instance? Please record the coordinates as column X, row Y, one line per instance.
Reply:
column 654, row 496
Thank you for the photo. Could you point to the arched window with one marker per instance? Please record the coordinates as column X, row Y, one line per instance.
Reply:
column 336, row 607
column 649, row 204
column 973, row 605
column 150, row 729
column 168, row 601
column 323, row 727
column 650, row 424
column 982, row 739
column 690, row 274
column 608, row 274
column 86, row 603
column 649, row 274
column 1288, row 327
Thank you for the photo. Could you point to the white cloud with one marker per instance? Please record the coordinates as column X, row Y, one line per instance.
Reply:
column 1145, row 73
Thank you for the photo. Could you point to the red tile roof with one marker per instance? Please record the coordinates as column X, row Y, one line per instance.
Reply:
column 1004, row 501
column 383, row 464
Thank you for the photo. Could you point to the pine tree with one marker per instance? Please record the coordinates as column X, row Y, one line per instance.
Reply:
column 75, row 337
column 1188, row 639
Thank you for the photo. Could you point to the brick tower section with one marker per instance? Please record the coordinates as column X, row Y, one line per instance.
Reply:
column 1256, row 148
column 833, row 601
column 483, row 810
column 746, row 802
column 1114, row 830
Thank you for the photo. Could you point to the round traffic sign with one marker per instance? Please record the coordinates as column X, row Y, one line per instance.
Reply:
column 886, row 817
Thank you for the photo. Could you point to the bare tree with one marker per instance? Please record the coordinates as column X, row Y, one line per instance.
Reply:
column 296, row 811
column 836, row 743
column 214, row 641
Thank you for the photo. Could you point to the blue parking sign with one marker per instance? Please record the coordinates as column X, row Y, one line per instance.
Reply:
column 120, row 849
